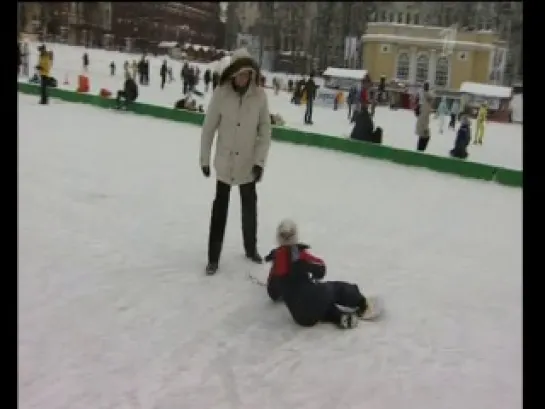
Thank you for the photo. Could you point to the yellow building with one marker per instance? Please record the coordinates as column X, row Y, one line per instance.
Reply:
column 444, row 57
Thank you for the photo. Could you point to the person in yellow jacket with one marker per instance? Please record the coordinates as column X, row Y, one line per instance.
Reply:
column 481, row 122
column 44, row 67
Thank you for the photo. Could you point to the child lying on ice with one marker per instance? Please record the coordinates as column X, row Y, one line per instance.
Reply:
column 294, row 278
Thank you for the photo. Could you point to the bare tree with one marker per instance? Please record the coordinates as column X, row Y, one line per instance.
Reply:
column 232, row 25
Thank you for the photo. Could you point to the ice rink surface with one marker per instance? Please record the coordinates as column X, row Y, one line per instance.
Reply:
column 116, row 313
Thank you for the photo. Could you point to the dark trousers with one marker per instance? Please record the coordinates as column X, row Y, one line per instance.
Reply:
column 308, row 111
column 422, row 144
column 44, row 98
column 452, row 122
column 163, row 80
column 345, row 295
column 185, row 87
column 218, row 220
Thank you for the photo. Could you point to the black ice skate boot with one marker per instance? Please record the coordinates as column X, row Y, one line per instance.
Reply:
column 348, row 320
column 255, row 257
column 211, row 269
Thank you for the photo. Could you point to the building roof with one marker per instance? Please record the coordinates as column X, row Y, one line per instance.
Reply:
column 422, row 40
column 168, row 44
column 486, row 90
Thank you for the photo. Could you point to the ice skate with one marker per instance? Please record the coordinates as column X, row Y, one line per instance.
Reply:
column 211, row 269
column 373, row 310
column 348, row 320
column 254, row 257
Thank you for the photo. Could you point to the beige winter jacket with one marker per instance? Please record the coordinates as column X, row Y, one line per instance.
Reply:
column 242, row 122
column 423, row 121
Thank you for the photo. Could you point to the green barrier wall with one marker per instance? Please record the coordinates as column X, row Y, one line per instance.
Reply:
column 463, row 168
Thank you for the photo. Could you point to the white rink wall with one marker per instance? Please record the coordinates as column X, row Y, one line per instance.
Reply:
column 502, row 143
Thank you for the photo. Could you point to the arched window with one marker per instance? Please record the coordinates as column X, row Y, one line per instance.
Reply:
column 422, row 66
column 403, row 66
column 441, row 72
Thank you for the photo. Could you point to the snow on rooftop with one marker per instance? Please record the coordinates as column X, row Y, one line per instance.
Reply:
column 486, row 90
column 345, row 73
column 197, row 47
column 168, row 44
column 424, row 40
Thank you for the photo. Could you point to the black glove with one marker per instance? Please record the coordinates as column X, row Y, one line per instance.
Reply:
column 270, row 257
column 257, row 171
column 206, row 171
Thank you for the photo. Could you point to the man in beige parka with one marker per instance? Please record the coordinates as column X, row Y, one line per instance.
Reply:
column 423, row 121
column 239, row 112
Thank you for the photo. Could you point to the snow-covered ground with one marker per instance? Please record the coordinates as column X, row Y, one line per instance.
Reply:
column 502, row 147
column 115, row 311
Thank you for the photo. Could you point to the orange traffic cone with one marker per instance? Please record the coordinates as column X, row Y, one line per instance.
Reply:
column 83, row 83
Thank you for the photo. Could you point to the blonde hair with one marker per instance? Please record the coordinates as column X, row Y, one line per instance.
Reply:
column 286, row 233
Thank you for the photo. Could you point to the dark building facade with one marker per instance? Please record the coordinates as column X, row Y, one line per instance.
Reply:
column 72, row 22
column 145, row 24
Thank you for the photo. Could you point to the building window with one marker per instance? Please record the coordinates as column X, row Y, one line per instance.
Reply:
column 391, row 18
column 408, row 18
column 403, row 66
column 422, row 67
column 416, row 19
column 383, row 16
column 441, row 72
column 400, row 18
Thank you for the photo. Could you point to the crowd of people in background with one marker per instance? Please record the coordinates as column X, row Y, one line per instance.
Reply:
column 361, row 100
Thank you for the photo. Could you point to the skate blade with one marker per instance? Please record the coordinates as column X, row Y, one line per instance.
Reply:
column 374, row 309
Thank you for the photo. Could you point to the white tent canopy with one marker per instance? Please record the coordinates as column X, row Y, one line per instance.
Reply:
column 486, row 90
column 168, row 44
column 345, row 73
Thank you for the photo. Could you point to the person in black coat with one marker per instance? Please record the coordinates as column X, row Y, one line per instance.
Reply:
column 207, row 79
column 295, row 279
column 191, row 80
column 128, row 94
column 185, row 77
column 140, row 68
column 364, row 129
column 163, row 73
column 463, row 137
column 146, row 72
column 85, row 62
column 215, row 80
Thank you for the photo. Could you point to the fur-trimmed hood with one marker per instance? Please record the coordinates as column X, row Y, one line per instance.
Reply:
column 240, row 59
